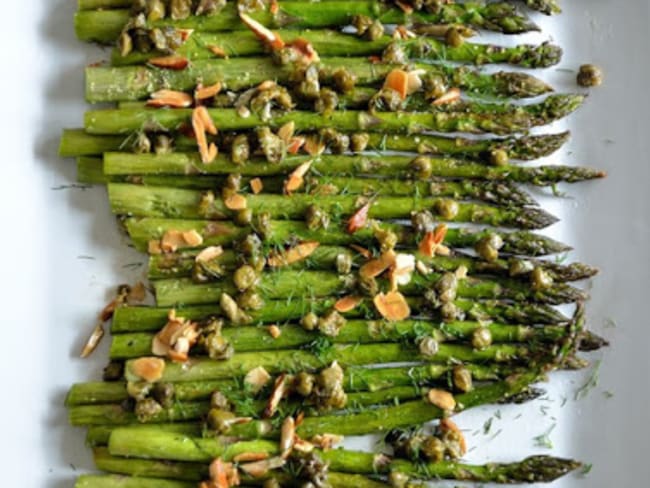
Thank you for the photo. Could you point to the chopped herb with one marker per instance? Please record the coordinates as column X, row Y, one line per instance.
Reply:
column 497, row 414
column 133, row 265
column 89, row 258
column 496, row 434
column 608, row 394
column 586, row 469
column 74, row 186
column 544, row 440
column 610, row 323
column 487, row 426
column 591, row 382
column 544, row 410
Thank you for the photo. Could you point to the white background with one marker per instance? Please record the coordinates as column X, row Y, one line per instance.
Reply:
column 62, row 255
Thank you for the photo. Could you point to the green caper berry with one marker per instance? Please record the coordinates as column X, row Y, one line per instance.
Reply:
column 220, row 420
column 448, row 209
column 422, row 221
column 359, row 142
column 245, row 277
column 486, row 250
column 361, row 23
column 250, row 300
column 125, row 44
column 540, row 279
column 462, row 379
column 454, row 38
column 397, row 479
column 258, row 262
column 432, row 449
column 240, row 149
column 113, row 371
column 343, row 263
column 499, row 157
column 395, row 53
column 316, row 218
column 163, row 144
column 481, row 338
column 163, row 393
column 309, row 321
column 147, row 409
column 138, row 389
column 344, row 80
column 243, row 217
column 233, row 181
column 218, row 346
column 447, row 287
column 210, row 7
column 421, row 167
column 262, row 223
column 158, row 39
column 590, row 75
column 219, row 400
column 340, row 143
column 250, row 245
column 327, row 101
column 331, row 324
column 330, row 378
column 428, row 347
column 180, row 9
column 449, row 312
column 155, row 10
column 434, row 86
column 453, row 442
column 375, row 31
column 304, row 384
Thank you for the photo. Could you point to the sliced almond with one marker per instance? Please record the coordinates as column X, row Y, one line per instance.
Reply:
column 274, row 331
column 174, row 62
column 192, row 238
column 256, row 379
column 327, row 441
column 173, row 240
column 250, row 456
column 359, row 219
column 149, row 369
column 348, row 303
column 461, row 272
column 153, row 247
column 170, row 98
column 452, row 95
column 185, row 33
column 406, row 8
column 202, row 93
column 286, row 131
column 302, row 445
column 198, row 126
column 314, row 146
column 203, row 114
column 295, row 144
column 260, row 469
column 287, row 437
column 392, row 306
column 296, row 178
column 402, row 270
column 377, row 266
column 271, row 39
column 398, row 80
column 219, row 474
column 256, row 185
column 297, row 253
column 441, row 399
column 432, row 241
column 208, row 254
column 279, row 389
column 449, row 425
column 236, row 202
column 93, row 341
column 361, row 250
column 218, row 51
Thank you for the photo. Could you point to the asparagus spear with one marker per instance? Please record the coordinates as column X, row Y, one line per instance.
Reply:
column 104, row 84
column 545, row 6
column 92, row 24
column 530, row 470
column 76, row 142
column 329, row 43
column 181, row 264
column 249, row 339
column 143, row 319
column 554, row 107
column 327, row 164
column 280, row 232
column 142, row 201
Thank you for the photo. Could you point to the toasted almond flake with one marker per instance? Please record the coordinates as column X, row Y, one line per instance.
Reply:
column 407, row 9
column 297, row 253
column 192, row 238
column 377, row 266
column 398, row 80
column 250, row 456
column 213, row 152
column 327, row 441
column 452, row 95
column 432, row 241
column 422, row 268
column 361, row 250
column 256, row 185
column 359, row 219
column 148, row 368
column 286, row 131
column 450, row 425
column 314, row 146
column 441, row 399
column 170, row 98
column 218, row 51
column 274, row 7
column 259, row 469
column 443, row 250
column 306, row 50
column 153, row 247
column 208, row 254
column 302, row 445
column 173, row 240
column 347, row 304
column 93, row 341
column 235, row 202
column 203, row 114
column 219, row 474
column 392, row 306
column 279, row 389
column 256, row 379
column 401, row 32
column 295, row 144
column 274, row 331
column 266, row 85
column 287, row 437
column 262, row 33
column 296, row 178
column 202, row 93
column 185, row 33
column 174, row 62
column 461, row 272
column 198, row 126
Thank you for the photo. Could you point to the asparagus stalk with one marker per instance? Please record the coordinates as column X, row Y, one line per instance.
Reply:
column 104, row 84
column 545, row 6
column 280, row 232
column 143, row 319
column 90, row 171
column 249, row 339
column 120, row 164
column 554, row 107
column 530, row 470
column 181, row 264
column 92, row 24
column 76, row 142
column 142, row 201
column 329, row 43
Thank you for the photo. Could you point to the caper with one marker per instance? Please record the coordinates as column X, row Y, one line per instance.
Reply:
column 273, row 147
column 434, row 85
column 447, row 287
column 481, row 338
column 243, row 217
column 397, row 479
column 210, row 7
column 233, row 181
column 540, row 279
column 309, row 86
column 340, row 143
column 520, row 266
column 368, row 285
column 488, row 247
column 499, row 157
column 453, row 444
column 330, row 378
column 142, row 144
column 174, row 38
column 240, row 149
column 138, row 389
column 163, row 144
column 180, row 9
column 449, row 312
column 125, row 43
column 454, row 38
column 257, row 261
column 262, row 223
column 421, row 167
column 331, row 324
column 218, row 346
column 220, row 420
column 245, row 277
column 250, row 245
column 343, row 263
column 309, row 321
column 387, row 100
column 250, row 300
column 304, row 384
column 448, row 209
column 428, row 347
column 462, row 378
column 359, row 142
column 395, row 53
column 386, row 238
column 433, row 449
column 163, row 393
column 316, row 218
column 147, row 409
column 141, row 42
column 344, row 80
column 361, row 23
column 590, row 75
column 158, row 39
column 326, row 102
column 219, row 400
column 375, row 31
column 422, row 221
column 113, row 371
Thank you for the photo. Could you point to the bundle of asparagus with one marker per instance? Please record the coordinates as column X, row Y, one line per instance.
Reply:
column 307, row 223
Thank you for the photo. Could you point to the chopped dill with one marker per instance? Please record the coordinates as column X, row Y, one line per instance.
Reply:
column 591, row 382
column 544, row 439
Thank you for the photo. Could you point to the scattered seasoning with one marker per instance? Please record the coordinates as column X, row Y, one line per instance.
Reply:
column 544, row 440
column 591, row 382
column 487, row 426
column 586, row 469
